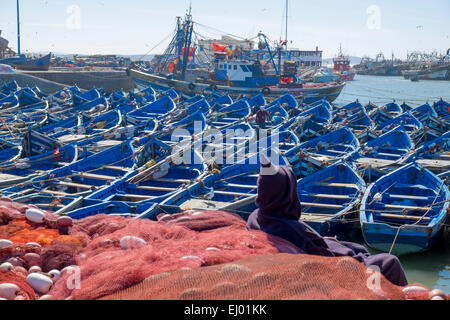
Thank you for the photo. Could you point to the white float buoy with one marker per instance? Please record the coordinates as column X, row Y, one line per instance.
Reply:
column 131, row 242
column 34, row 245
column 34, row 269
column 6, row 267
column 5, row 243
column 35, row 215
column 39, row 282
column 54, row 275
column 9, row 291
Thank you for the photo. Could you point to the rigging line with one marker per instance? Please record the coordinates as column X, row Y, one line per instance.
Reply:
column 223, row 32
column 170, row 34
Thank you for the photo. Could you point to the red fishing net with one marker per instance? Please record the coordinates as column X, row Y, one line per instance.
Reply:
column 269, row 277
column 107, row 268
column 19, row 280
column 193, row 255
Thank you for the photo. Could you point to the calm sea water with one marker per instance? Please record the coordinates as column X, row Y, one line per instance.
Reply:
column 430, row 268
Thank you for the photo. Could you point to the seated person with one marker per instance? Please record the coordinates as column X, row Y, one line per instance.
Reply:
column 277, row 118
column 279, row 213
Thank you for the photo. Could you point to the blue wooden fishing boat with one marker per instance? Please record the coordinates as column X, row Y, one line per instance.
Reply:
column 385, row 113
column 34, row 64
column 158, row 109
column 20, row 170
column 233, row 189
column 442, row 108
column 221, row 100
column 404, row 212
column 77, row 179
column 288, row 102
column 407, row 120
column 9, row 151
column 227, row 146
column 229, row 115
column 157, row 182
column 383, row 154
column 433, row 155
column 10, row 102
column 111, row 208
column 329, row 198
column 102, row 124
column 9, row 87
column 320, row 152
column 184, row 130
column 423, row 112
column 257, row 101
column 360, row 123
column 278, row 116
column 79, row 98
column 316, row 119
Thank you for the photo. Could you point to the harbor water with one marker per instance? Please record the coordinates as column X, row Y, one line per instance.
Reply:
column 431, row 268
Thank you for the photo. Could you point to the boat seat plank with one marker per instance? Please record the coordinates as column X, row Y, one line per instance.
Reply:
column 402, row 196
column 393, row 206
column 96, row 176
column 388, row 154
column 56, row 193
column 172, row 180
column 135, row 196
column 149, row 188
column 243, row 186
column 76, row 185
column 228, row 193
column 338, row 185
column 403, row 217
column 115, row 168
column 48, row 205
column 321, row 205
column 328, row 196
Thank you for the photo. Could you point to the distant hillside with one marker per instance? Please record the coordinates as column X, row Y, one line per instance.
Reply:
column 353, row 60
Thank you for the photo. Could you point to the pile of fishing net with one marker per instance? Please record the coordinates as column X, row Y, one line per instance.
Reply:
column 29, row 246
column 268, row 277
column 192, row 255
column 123, row 252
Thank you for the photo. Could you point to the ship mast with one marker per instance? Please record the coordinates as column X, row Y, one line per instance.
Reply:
column 287, row 10
column 18, row 29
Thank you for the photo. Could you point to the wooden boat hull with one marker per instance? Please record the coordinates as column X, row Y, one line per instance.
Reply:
column 330, row 92
column 329, row 197
column 404, row 211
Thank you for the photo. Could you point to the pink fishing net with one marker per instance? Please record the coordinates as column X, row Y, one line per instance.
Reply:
column 107, row 268
column 193, row 255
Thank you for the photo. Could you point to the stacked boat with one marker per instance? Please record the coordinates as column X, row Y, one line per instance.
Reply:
column 379, row 170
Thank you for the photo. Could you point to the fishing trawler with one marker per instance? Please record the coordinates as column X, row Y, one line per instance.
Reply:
column 234, row 70
column 342, row 67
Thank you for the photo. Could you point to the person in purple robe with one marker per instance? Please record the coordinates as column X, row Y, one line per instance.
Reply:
column 279, row 213
column 261, row 116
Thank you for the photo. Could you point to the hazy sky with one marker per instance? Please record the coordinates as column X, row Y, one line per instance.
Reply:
column 135, row 26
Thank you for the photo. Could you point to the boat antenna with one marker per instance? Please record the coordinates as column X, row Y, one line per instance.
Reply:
column 18, row 29
column 287, row 11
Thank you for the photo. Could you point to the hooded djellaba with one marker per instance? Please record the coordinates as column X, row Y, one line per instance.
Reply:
column 279, row 213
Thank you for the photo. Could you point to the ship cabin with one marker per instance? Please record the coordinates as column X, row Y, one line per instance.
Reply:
column 242, row 73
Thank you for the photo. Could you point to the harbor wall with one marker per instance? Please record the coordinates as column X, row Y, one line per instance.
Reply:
column 108, row 80
column 25, row 80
